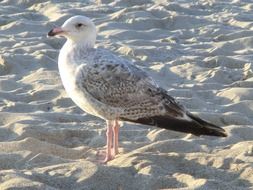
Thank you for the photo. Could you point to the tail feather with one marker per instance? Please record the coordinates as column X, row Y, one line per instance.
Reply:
column 193, row 125
column 211, row 129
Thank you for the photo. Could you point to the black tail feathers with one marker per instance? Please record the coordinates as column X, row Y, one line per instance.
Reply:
column 193, row 125
column 209, row 128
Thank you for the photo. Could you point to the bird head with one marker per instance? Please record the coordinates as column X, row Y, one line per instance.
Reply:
column 78, row 29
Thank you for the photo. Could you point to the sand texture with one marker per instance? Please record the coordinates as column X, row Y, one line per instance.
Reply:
column 201, row 51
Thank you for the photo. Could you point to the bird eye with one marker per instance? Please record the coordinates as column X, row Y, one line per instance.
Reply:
column 79, row 25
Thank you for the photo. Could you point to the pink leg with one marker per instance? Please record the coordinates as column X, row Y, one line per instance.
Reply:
column 108, row 155
column 116, row 138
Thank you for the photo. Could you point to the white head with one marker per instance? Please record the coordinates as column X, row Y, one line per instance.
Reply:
column 77, row 29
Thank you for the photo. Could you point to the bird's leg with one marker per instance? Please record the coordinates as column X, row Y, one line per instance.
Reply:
column 115, row 138
column 108, row 155
column 112, row 139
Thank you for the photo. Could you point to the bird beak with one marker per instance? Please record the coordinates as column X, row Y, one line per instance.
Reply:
column 55, row 31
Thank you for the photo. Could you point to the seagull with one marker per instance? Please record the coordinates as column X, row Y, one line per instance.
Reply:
column 114, row 89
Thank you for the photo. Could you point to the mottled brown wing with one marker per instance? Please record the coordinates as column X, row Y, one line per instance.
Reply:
column 122, row 85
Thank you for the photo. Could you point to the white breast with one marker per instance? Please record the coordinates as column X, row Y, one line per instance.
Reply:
column 67, row 70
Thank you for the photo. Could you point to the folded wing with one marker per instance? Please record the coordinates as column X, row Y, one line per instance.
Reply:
column 118, row 84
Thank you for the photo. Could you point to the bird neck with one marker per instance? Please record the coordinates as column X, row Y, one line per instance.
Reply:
column 72, row 52
column 83, row 44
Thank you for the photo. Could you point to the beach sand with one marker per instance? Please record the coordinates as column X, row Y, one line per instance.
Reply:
column 200, row 51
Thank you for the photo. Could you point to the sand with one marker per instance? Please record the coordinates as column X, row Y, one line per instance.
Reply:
column 200, row 51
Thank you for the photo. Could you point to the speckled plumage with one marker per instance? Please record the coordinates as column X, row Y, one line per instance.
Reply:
column 118, row 88
column 110, row 87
